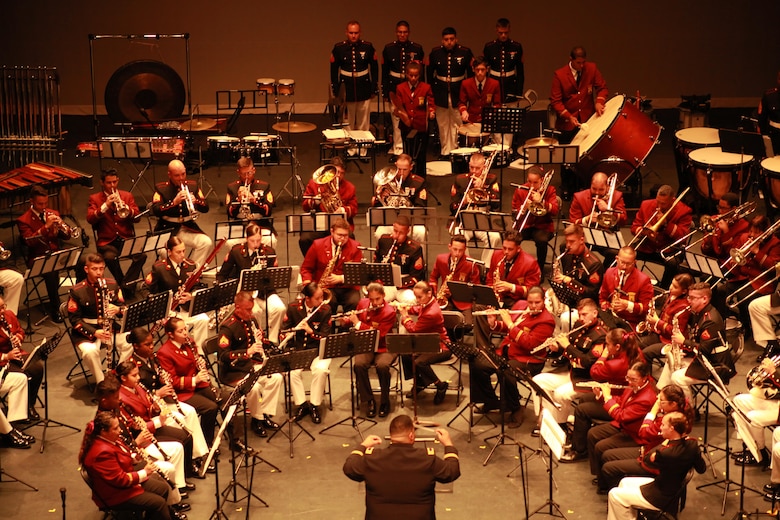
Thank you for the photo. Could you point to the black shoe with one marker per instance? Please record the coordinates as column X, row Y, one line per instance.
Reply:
column 600, row 491
column 488, row 407
column 515, row 419
column 771, row 488
column 11, row 441
column 176, row 515
column 196, row 465
column 315, row 415
column 535, row 432
column 302, row 411
column 29, row 439
column 595, row 481
column 268, row 422
column 183, row 494
column 257, row 427
column 773, row 496
column 747, row 459
column 181, row 507
column 416, row 389
column 384, row 409
column 32, row 415
column 441, row 392
column 57, row 317
column 371, row 412
column 573, row 456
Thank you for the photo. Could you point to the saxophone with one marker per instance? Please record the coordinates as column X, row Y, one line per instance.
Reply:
column 441, row 298
column 331, row 265
column 673, row 351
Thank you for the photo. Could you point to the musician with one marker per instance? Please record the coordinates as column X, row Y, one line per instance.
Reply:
column 592, row 208
column 769, row 114
column 170, row 205
column 626, row 291
column 88, row 302
column 669, row 462
column 258, row 200
column 12, row 282
column 171, row 274
column 112, row 214
column 114, row 482
column 309, row 320
column 396, row 57
column 429, row 319
column 324, row 263
column 253, row 254
column 334, row 196
column 397, row 248
column 241, row 344
column 477, row 189
column 374, row 312
column 13, row 357
column 534, row 206
column 454, row 266
column 582, row 346
column 411, row 191
column 448, row 65
column 764, row 312
column 477, row 92
column 413, row 107
column 702, row 337
column 189, row 375
column 726, row 231
column 43, row 231
column 504, row 58
column 149, row 373
column 677, row 219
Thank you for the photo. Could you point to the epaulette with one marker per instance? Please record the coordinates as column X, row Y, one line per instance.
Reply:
column 430, row 451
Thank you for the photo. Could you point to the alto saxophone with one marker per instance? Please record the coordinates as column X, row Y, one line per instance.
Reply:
column 331, row 265
column 441, row 298
column 673, row 351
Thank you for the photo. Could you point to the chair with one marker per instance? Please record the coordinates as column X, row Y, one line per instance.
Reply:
column 672, row 510
column 455, row 323
column 212, row 347
column 78, row 367
column 107, row 511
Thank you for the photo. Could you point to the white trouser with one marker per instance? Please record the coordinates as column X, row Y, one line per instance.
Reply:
column 666, row 374
column 199, row 327
column 15, row 387
column 448, row 120
column 507, row 142
column 357, row 114
column 775, row 478
column 276, row 313
column 761, row 412
column 627, row 497
column 680, row 379
column 200, row 244
column 192, row 422
column 417, row 234
column 263, row 398
column 12, row 282
column 90, row 356
column 560, row 388
column 5, row 424
column 763, row 319
column 320, row 368
column 401, row 295
column 398, row 141
column 174, row 466
column 565, row 319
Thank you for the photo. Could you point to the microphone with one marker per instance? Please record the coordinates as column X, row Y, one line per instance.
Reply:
column 746, row 118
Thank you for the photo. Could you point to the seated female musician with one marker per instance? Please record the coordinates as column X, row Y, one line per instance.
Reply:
column 115, row 484
column 625, row 460
column 611, row 368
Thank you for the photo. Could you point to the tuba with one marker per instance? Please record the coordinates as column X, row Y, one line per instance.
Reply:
column 327, row 179
column 387, row 184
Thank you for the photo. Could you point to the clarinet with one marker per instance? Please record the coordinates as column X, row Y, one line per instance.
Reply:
column 163, row 406
column 166, row 379
column 138, row 451
column 140, row 424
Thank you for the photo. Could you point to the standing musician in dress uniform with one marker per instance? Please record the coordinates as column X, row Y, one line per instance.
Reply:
column 524, row 333
column 324, row 264
column 448, row 65
column 241, row 345
column 171, row 274
column 411, row 192
column 477, row 92
column 86, row 306
column 542, row 203
column 374, row 312
column 396, row 56
column 310, row 321
column 12, row 357
column 251, row 199
column 189, row 375
column 769, row 114
column 504, row 58
column 253, row 254
column 313, row 201
column 413, row 107
column 578, row 91
column 177, row 203
column 676, row 225
column 626, row 291
column 454, row 266
column 43, row 231
column 112, row 214
column 720, row 242
column 353, row 67
column 400, row 480
column 397, row 248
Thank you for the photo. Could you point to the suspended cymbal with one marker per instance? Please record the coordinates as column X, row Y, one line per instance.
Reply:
column 539, row 141
column 294, row 127
column 142, row 91
column 203, row 123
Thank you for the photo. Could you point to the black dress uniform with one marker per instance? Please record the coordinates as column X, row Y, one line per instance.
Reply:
column 459, row 189
column 395, row 56
column 163, row 276
column 259, row 211
column 582, row 351
column 413, row 188
column 506, row 66
column 239, row 259
column 446, row 71
column 172, row 216
column 703, row 335
column 319, row 323
column 86, row 302
column 408, row 255
column 354, row 66
column 586, row 272
column 235, row 337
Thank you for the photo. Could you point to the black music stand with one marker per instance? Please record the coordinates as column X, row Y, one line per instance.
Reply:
column 565, row 294
column 150, row 242
column 467, row 353
column 284, row 364
column 361, row 273
column 309, row 223
column 265, row 281
column 603, row 238
column 552, row 434
column 473, row 220
column 154, row 308
column 503, row 120
column 50, row 263
column 213, row 298
column 704, row 264
column 11, row 478
column 411, row 344
column 473, row 293
column 350, row 344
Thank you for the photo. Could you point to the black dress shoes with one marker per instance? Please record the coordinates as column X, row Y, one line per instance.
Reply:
column 441, row 392
column 371, row 409
column 195, row 470
column 268, row 423
column 14, row 441
column 29, row 439
column 315, row 414
column 257, row 427
column 384, row 409
column 188, row 486
column 177, row 515
column 181, row 507
column 302, row 411
column 57, row 317
column 747, row 459
column 32, row 415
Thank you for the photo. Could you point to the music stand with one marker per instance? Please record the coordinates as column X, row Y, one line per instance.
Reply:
column 154, row 308
column 350, row 344
column 414, row 344
column 704, row 264
column 266, row 280
column 49, row 263
column 503, row 120
column 309, row 222
column 473, row 293
column 149, row 242
column 474, row 220
column 135, row 148
column 361, row 273
column 467, row 353
column 284, row 364
column 603, row 238
column 552, row 434
column 565, row 294
column 213, row 298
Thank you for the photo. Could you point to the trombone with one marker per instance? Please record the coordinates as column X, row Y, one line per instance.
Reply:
column 739, row 255
column 733, row 301
column 609, row 217
column 531, row 207
column 655, row 227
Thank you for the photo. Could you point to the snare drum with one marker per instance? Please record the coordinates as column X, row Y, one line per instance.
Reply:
column 716, row 172
column 503, row 153
column 618, row 141
column 439, row 168
column 261, row 148
column 223, row 149
column 770, row 167
column 459, row 159
column 267, row 85
column 286, row 87
column 471, row 135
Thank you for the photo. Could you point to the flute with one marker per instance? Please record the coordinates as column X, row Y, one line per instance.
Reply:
column 596, row 384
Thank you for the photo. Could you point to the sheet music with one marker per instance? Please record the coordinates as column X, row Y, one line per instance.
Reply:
column 361, row 136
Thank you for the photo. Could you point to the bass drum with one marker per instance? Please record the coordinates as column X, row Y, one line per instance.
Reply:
column 770, row 168
column 618, row 141
column 716, row 172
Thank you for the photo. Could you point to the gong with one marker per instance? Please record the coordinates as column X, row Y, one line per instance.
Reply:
column 142, row 90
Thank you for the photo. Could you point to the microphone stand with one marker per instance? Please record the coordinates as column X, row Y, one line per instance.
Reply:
column 62, row 494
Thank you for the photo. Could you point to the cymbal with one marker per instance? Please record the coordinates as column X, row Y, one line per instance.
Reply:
column 203, row 123
column 294, row 127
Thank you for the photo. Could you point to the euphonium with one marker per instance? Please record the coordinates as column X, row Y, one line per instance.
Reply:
column 327, row 178
column 388, row 189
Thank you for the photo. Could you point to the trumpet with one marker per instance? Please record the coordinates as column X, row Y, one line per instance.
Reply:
column 189, row 201
column 733, row 301
column 71, row 231
column 122, row 209
column 5, row 254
